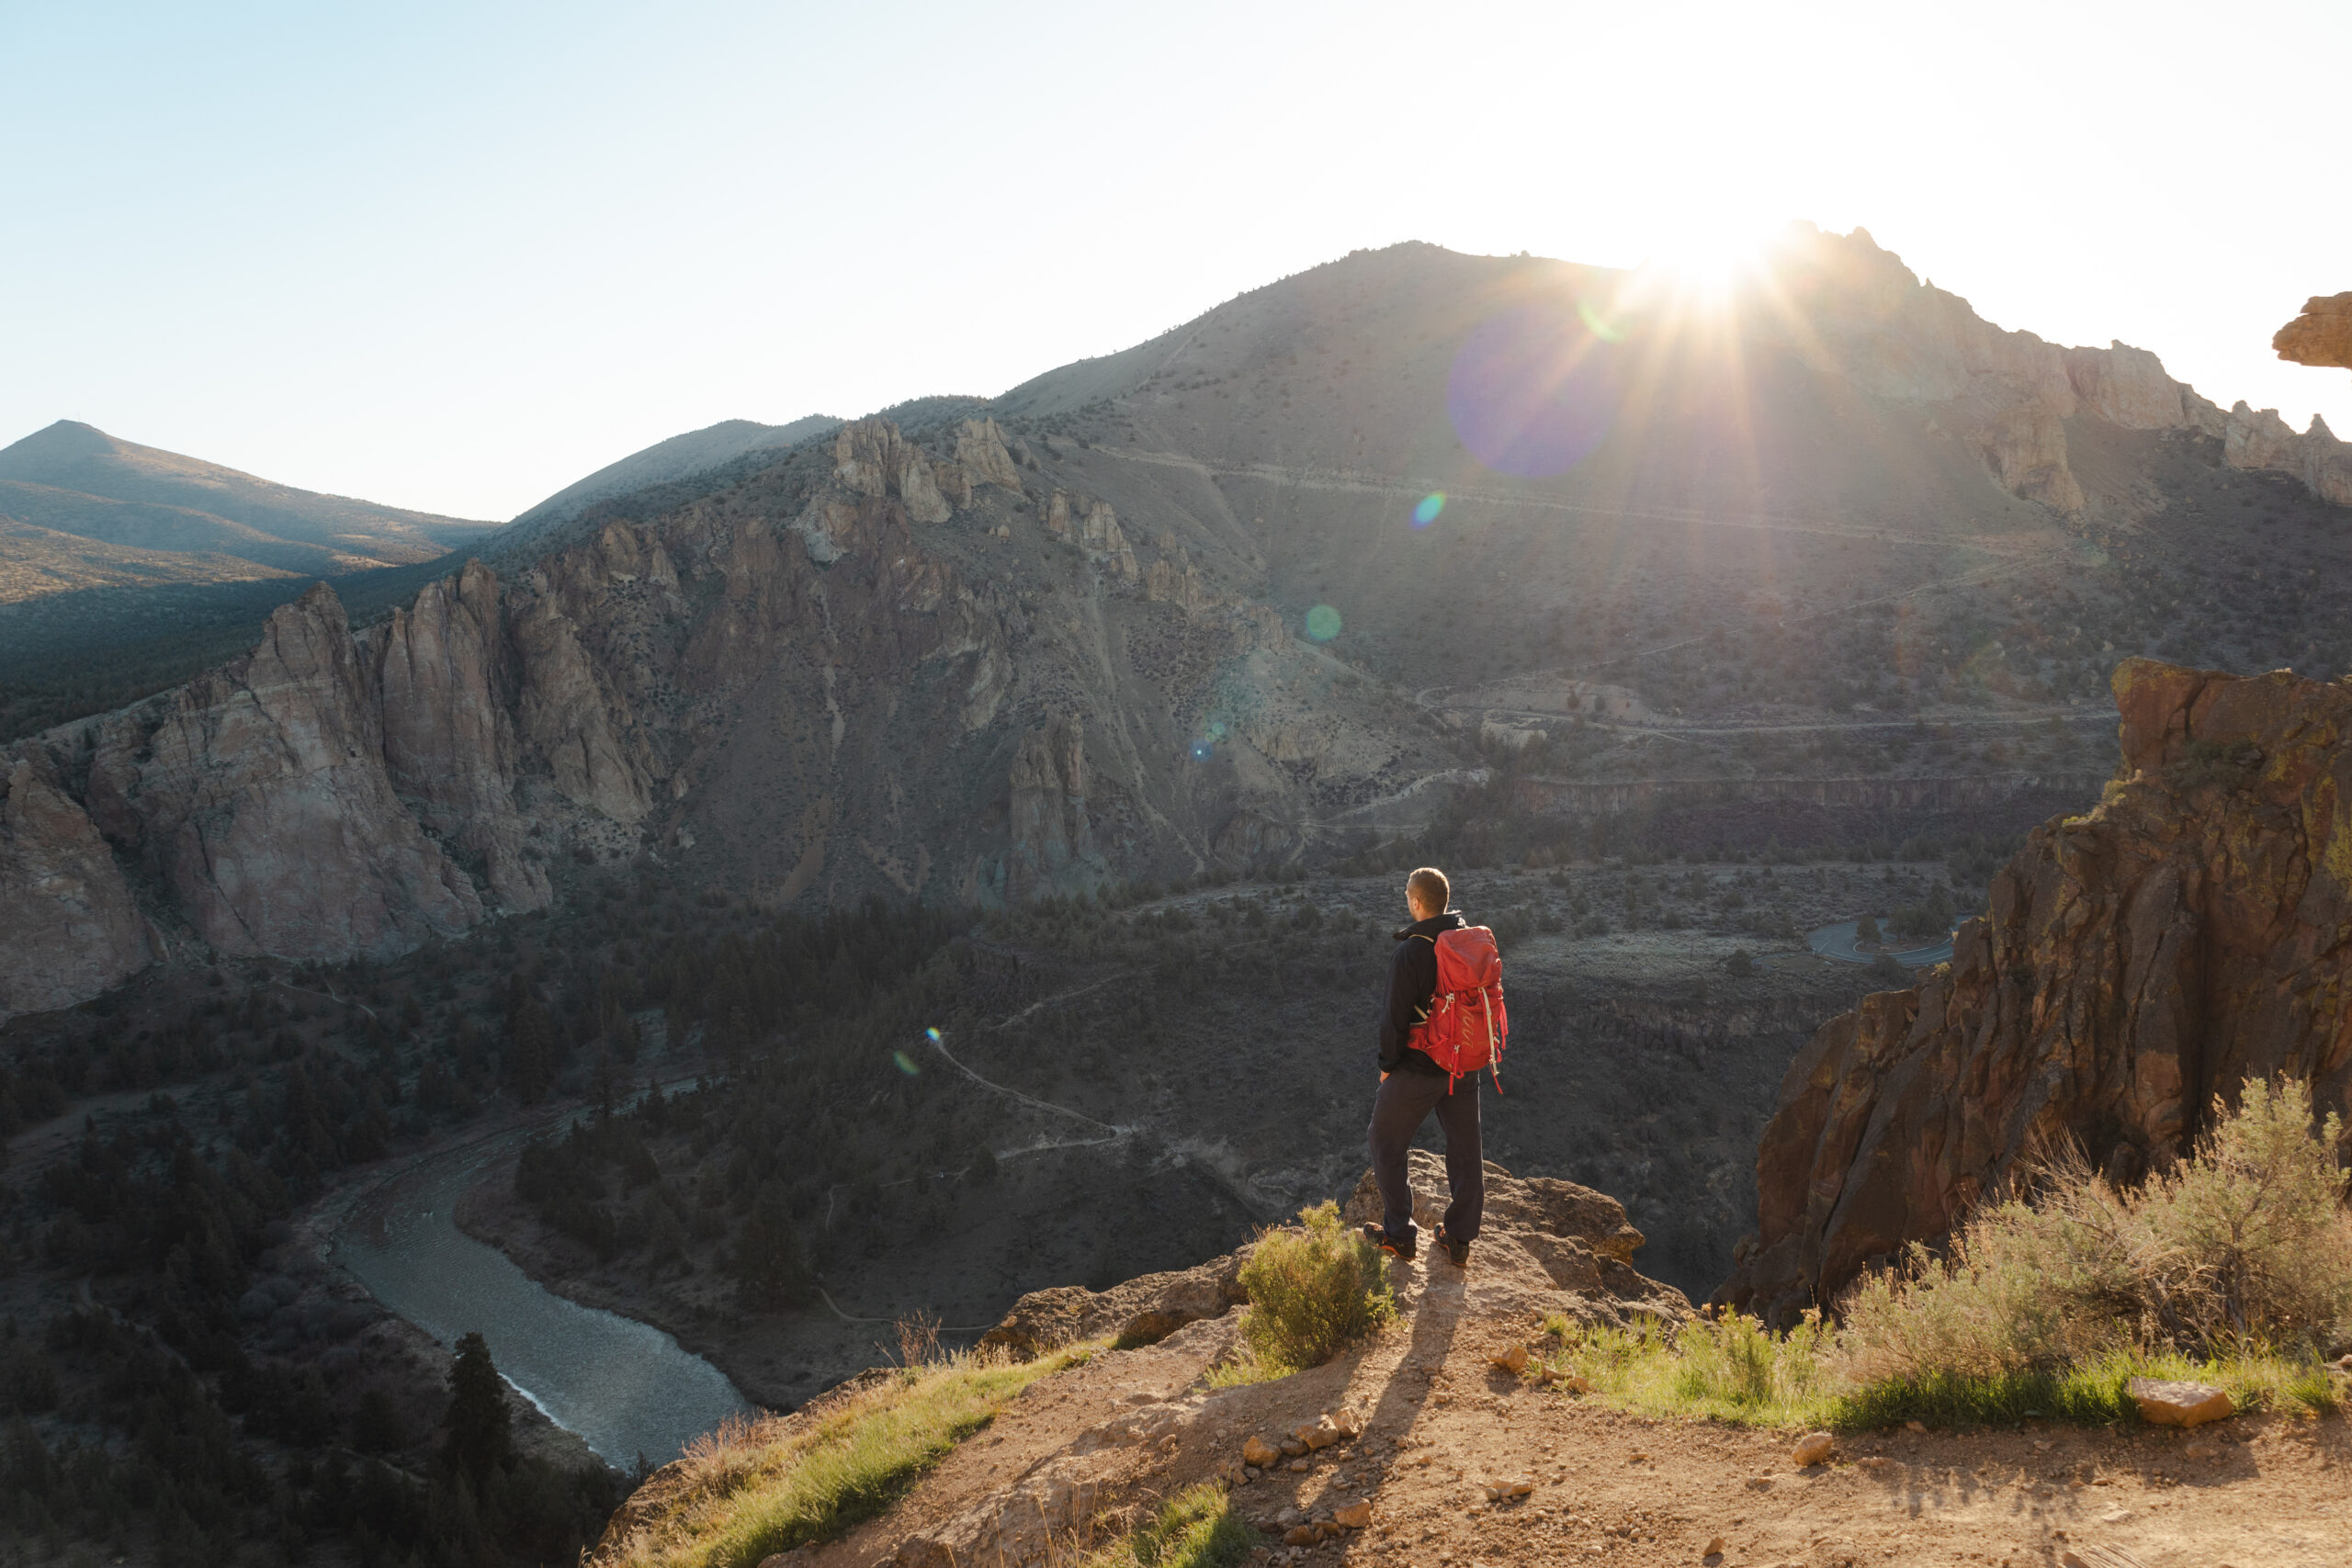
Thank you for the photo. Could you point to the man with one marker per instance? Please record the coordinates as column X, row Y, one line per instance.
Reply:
column 1411, row 1086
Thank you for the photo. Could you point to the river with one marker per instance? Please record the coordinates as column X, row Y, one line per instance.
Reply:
column 628, row 1389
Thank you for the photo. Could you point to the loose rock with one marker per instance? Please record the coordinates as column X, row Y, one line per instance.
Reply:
column 1513, row 1360
column 2165, row 1403
column 1813, row 1448
column 1259, row 1452
column 1355, row 1515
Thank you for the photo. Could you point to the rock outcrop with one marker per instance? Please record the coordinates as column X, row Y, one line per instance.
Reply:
column 980, row 451
column 2008, row 395
column 872, row 457
column 67, row 921
column 258, row 795
column 1143, row 1310
column 1544, row 1246
column 1547, row 1246
column 2264, row 441
column 2321, row 335
column 444, row 675
column 2192, row 930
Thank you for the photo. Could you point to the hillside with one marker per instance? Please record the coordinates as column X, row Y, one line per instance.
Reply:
column 76, row 480
column 678, row 458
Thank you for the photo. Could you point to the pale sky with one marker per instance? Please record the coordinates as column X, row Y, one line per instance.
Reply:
column 454, row 256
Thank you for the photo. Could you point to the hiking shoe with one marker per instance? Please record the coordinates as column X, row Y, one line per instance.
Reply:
column 1455, row 1248
column 1378, row 1236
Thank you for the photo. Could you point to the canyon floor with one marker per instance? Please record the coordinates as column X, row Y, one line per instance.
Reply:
column 1441, row 1423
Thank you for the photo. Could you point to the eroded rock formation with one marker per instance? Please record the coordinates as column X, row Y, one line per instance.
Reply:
column 2192, row 930
column 2008, row 395
column 2322, row 335
column 809, row 686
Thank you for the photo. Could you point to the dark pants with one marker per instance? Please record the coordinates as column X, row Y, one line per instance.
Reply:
column 1404, row 1102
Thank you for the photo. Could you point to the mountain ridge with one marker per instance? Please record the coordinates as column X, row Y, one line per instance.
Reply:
column 972, row 661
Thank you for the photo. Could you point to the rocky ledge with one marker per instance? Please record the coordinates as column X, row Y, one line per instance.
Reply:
column 2192, row 930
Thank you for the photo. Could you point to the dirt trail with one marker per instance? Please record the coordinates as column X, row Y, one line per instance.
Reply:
column 1443, row 1422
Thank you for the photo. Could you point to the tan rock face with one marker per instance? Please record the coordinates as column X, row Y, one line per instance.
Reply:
column 1142, row 1310
column 2321, row 335
column 2137, row 961
column 444, row 682
column 872, row 457
column 980, row 450
column 2125, row 386
column 2264, row 441
column 67, row 922
column 258, row 792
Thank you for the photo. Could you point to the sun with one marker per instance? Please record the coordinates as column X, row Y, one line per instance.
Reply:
column 1706, row 265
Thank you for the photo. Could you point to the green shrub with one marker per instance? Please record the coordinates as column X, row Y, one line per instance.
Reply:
column 1311, row 1291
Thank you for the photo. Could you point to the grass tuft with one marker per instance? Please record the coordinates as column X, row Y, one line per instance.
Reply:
column 753, row 1489
column 1195, row 1528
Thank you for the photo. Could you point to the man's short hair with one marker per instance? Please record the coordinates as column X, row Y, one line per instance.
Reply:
column 1428, row 887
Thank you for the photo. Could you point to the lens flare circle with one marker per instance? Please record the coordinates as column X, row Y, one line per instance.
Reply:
column 931, row 1035
column 1322, row 622
column 906, row 1064
column 1426, row 510
column 1535, row 390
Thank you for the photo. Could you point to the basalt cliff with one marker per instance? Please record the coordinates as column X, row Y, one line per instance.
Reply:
column 2192, row 930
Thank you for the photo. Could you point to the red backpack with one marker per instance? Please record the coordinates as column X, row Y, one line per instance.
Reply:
column 1466, row 1025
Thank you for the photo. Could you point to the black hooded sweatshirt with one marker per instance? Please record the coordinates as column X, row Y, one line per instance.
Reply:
column 1412, row 981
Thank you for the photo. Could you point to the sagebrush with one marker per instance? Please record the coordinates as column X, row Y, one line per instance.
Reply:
column 1312, row 1290
column 2244, row 1247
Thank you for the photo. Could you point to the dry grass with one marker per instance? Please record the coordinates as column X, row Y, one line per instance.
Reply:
column 752, row 1489
column 2234, row 1268
column 2243, row 1249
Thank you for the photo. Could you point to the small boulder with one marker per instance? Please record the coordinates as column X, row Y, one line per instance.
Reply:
column 1715, row 1547
column 1301, row 1535
column 1293, row 1446
column 1513, row 1360
column 1259, row 1452
column 1354, row 1515
column 1320, row 1433
column 1813, row 1448
column 2167, row 1404
column 1349, row 1422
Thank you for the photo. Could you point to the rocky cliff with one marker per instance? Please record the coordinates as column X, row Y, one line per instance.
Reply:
column 881, row 668
column 2008, row 395
column 2192, row 930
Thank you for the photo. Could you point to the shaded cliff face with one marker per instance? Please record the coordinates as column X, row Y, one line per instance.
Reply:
column 886, row 669
column 2188, row 934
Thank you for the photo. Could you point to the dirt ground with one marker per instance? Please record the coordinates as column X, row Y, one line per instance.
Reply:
column 1443, row 1424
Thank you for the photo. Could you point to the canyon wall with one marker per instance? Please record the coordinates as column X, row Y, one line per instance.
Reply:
column 2190, row 932
column 815, row 686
